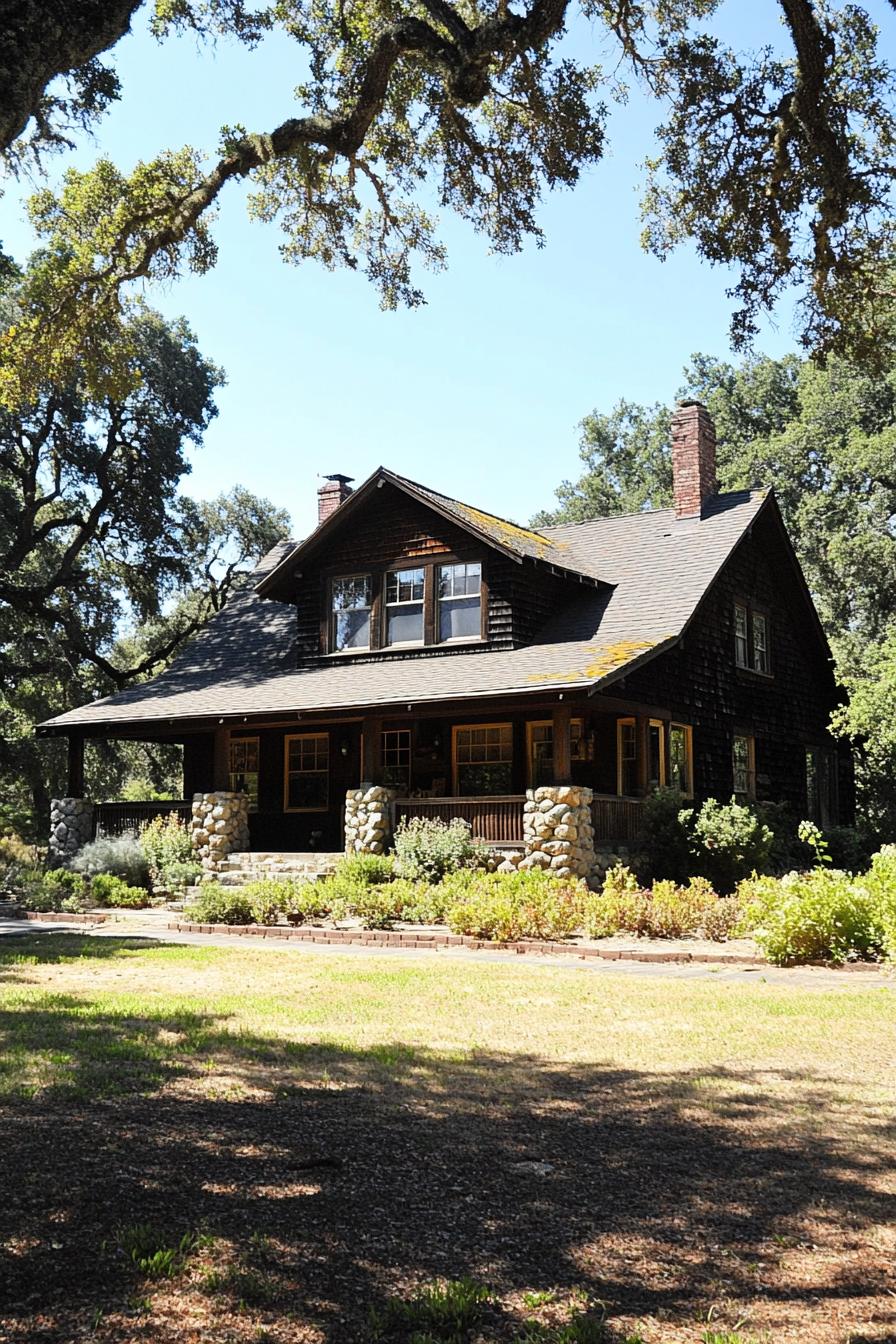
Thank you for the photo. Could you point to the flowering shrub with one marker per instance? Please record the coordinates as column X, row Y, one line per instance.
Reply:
column 528, row 904
column 664, row 911
column 822, row 915
column 729, row 842
column 168, row 847
column 427, row 848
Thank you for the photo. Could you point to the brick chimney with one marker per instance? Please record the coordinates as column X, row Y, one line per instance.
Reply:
column 693, row 458
column 334, row 491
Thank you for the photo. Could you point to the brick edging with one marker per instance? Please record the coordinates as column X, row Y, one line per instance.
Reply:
column 60, row 917
column 433, row 941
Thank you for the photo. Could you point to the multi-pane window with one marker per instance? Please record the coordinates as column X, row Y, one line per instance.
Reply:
column 396, row 749
column 626, row 757
column 541, row 749
column 404, row 606
column 813, row 804
column 681, row 753
column 741, row 636
column 460, row 601
column 743, row 762
column 483, row 760
column 350, row 613
column 656, row 755
column 760, row 643
column 307, row 772
column 751, row 639
column 244, row 768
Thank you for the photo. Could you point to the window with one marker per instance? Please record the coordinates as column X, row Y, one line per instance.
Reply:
column 760, row 643
column 350, row 613
column 483, row 759
column 404, row 607
column 741, row 637
column 656, row 755
column 244, row 768
column 822, row 801
column 396, row 749
column 813, row 808
column 681, row 758
column 751, row 639
column 460, row 601
column 626, row 757
column 307, row 772
column 743, row 759
column 540, row 741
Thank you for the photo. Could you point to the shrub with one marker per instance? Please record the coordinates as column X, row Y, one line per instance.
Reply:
column 266, row 897
column 168, row 846
column 666, row 843
column 221, row 905
column 427, row 848
column 107, row 889
column 429, row 903
column 306, row 902
column 365, row 869
column 121, row 855
column 822, row 915
column 527, row 904
column 664, row 911
column 880, row 883
column 729, row 842
column 55, row 889
column 377, row 906
column 721, row 918
column 15, row 858
column 850, row 848
column 178, row 876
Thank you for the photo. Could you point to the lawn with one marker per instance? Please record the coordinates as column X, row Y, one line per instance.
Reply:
column 217, row 1145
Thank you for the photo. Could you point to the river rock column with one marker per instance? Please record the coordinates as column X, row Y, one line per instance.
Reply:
column 368, row 819
column 219, row 826
column 71, row 827
column 558, row 833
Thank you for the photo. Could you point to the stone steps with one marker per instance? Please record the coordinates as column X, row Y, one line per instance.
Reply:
column 246, row 866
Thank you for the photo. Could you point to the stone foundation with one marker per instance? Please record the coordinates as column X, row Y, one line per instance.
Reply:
column 71, row 827
column 219, row 826
column 557, row 830
column 368, row 819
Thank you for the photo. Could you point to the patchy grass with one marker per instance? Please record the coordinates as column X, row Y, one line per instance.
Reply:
column 617, row 1158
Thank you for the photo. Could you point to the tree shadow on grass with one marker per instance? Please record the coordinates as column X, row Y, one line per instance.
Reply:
column 51, row 947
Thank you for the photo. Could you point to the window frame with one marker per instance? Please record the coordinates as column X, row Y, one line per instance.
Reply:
column 331, row 613
column 385, row 642
column 661, row 783
column 742, row 639
column 242, row 741
column 579, row 755
column 751, row 611
column 750, row 791
column 688, row 731
column 384, row 749
column 456, row 730
column 626, row 721
column 755, row 616
column 437, row 568
column 293, row 737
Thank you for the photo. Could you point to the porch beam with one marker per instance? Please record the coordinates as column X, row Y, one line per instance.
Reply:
column 75, row 784
column 562, row 745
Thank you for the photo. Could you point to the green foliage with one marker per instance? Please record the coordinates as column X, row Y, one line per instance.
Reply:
column 168, row 846
column 666, row 844
column 728, row 842
column 508, row 906
column 107, row 889
column 427, row 848
column 215, row 904
column 54, row 889
column 880, row 883
column 15, row 858
column 821, row 915
column 443, row 1313
column 666, row 910
column 121, row 855
column 151, row 1251
column 365, row 869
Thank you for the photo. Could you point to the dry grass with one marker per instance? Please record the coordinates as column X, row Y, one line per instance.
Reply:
column 343, row 1131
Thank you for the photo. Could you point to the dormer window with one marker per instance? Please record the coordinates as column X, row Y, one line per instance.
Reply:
column 350, row 613
column 460, row 601
column 404, row 606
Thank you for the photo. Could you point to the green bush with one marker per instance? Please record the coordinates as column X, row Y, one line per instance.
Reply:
column 55, row 889
column 728, row 842
column 16, row 858
column 307, row 902
column 721, row 919
column 880, row 883
column 822, row 915
column 507, row 906
column 666, row 910
column 178, row 876
column 107, row 889
column 365, row 869
column 427, row 848
column 167, row 844
column 221, row 905
column 120, row 855
column 666, row 844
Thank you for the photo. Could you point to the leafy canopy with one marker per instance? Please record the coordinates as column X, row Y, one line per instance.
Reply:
column 778, row 162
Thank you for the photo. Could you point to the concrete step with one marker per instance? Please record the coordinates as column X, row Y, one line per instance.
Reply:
column 246, row 875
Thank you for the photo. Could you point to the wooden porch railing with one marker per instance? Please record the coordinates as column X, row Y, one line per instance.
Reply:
column 616, row 820
column 497, row 821
column 116, row 818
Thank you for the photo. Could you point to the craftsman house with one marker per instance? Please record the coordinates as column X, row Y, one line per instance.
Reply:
column 417, row 642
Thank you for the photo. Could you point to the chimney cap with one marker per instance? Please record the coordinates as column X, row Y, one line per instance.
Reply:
column 341, row 480
column 690, row 401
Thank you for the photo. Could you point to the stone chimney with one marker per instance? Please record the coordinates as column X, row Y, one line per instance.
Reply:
column 334, row 491
column 693, row 458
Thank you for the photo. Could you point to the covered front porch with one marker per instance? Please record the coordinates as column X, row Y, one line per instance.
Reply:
column 471, row 760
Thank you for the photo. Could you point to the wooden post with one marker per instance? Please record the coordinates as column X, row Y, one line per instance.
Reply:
column 221, row 766
column 642, row 729
column 562, row 744
column 75, row 784
column 372, row 730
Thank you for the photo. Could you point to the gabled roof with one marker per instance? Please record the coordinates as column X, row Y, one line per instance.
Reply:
column 243, row 662
column 518, row 543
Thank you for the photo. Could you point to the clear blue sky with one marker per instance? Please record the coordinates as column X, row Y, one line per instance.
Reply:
column 480, row 392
